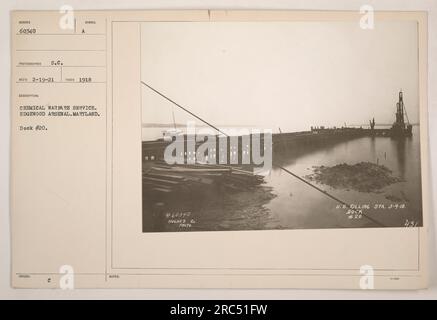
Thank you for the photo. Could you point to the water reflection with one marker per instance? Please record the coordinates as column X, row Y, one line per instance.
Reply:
column 373, row 147
column 400, row 149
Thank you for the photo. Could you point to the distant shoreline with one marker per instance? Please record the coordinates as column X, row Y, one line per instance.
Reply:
column 180, row 125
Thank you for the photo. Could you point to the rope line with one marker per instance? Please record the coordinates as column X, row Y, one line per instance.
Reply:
column 178, row 105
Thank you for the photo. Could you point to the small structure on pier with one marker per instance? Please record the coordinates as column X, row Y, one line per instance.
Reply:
column 372, row 124
column 400, row 127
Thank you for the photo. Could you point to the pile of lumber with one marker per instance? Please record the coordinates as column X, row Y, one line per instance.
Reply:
column 163, row 178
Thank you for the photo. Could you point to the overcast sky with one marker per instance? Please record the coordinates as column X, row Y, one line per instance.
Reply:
column 291, row 75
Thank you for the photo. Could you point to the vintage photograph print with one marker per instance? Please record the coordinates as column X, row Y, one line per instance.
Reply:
column 279, row 125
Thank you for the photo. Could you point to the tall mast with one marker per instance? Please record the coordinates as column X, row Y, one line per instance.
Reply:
column 401, row 107
column 174, row 121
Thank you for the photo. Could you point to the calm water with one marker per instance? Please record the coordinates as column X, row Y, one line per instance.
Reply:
column 298, row 205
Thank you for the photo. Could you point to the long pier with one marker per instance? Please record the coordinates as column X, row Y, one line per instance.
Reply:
column 238, row 149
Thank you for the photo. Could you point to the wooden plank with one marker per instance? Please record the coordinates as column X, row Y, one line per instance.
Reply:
column 191, row 170
column 161, row 180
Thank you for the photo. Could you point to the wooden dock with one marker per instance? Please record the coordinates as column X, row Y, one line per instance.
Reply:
column 161, row 178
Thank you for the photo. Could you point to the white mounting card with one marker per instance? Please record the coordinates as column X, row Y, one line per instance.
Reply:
column 219, row 149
